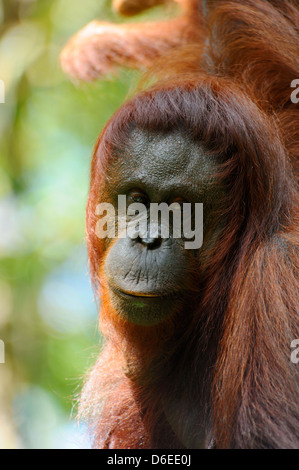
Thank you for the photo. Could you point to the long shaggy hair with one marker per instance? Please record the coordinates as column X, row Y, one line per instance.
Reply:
column 230, row 355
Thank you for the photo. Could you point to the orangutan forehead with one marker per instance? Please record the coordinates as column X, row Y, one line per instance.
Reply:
column 164, row 156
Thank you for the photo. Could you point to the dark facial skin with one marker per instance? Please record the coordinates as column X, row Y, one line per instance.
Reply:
column 151, row 278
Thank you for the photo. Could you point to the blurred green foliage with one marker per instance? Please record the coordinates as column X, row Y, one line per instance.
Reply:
column 48, row 125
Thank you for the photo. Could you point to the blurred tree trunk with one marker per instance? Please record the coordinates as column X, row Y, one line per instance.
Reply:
column 10, row 12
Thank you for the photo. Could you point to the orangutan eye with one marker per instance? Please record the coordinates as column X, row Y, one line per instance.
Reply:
column 178, row 200
column 138, row 196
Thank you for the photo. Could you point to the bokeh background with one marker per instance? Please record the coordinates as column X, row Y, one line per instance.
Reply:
column 48, row 126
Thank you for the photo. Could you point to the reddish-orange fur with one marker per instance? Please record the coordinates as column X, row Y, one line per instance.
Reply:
column 232, row 353
column 100, row 46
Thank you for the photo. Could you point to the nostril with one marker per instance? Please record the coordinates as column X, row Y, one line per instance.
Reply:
column 150, row 242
